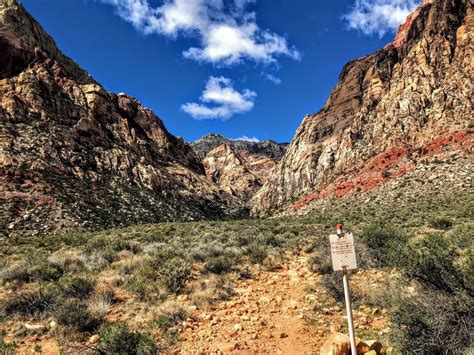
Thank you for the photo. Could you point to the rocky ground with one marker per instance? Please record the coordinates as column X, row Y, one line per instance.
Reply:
column 281, row 311
column 284, row 311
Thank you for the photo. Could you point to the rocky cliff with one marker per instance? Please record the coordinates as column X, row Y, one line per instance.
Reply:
column 226, row 167
column 408, row 103
column 75, row 157
column 239, row 167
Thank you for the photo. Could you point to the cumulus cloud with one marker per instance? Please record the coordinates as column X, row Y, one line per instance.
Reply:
column 220, row 100
column 227, row 32
column 378, row 17
column 247, row 139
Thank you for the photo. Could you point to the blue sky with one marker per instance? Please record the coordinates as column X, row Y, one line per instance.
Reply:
column 241, row 68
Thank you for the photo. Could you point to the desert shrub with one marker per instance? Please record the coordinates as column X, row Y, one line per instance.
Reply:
column 218, row 288
column 45, row 271
column 16, row 273
column 117, row 338
column 99, row 305
column 332, row 282
column 321, row 260
column 242, row 240
column 96, row 261
column 68, row 260
column 110, row 255
column 273, row 261
column 6, row 348
column 142, row 287
column 75, row 314
column 268, row 239
column 174, row 274
column 441, row 222
column 433, row 260
column 433, row 323
column 385, row 242
column 30, row 303
column 170, row 314
column 204, row 252
column 78, row 287
column 36, row 269
column 256, row 252
column 156, row 276
column 219, row 265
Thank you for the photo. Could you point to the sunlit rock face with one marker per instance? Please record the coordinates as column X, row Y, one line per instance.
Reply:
column 390, row 111
column 75, row 157
column 239, row 167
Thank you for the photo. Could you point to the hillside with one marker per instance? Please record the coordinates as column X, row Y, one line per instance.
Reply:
column 75, row 157
column 393, row 111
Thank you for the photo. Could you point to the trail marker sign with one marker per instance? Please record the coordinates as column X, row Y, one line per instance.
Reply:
column 343, row 252
column 344, row 259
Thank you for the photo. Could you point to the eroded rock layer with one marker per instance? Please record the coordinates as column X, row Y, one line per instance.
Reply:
column 227, row 168
column 75, row 157
column 390, row 111
column 239, row 167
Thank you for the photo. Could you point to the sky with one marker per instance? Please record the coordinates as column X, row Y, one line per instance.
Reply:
column 246, row 69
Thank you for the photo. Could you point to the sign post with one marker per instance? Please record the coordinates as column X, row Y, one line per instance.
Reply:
column 344, row 259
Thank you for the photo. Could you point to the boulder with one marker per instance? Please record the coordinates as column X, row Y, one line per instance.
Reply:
column 336, row 344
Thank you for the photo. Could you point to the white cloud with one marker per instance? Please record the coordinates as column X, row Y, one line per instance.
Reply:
column 272, row 78
column 227, row 33
column 379, row 16
column 247, row 139
column 224, row 100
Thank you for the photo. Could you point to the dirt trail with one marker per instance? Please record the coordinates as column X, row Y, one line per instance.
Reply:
column 268, row 314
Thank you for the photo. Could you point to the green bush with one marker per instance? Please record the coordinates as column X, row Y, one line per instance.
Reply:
column 432, row 259
column 170, row 315
column 110, row 255
column 6, row 348
column 174, row 274
column 219, row 265
column 74, row 314
column 78, row 287
column 30, row 303
column 433, row 323
column 332, row 282
column 117, row 338
column 142, row 287
column 439, row 318
column 385, row 242
column 256, row 252
column 441, row 222
column 45, row 271
column 36, row 269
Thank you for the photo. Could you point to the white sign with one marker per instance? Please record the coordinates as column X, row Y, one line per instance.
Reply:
column 343, row 252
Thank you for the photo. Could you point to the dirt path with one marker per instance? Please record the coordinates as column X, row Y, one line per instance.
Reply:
column 268, row 314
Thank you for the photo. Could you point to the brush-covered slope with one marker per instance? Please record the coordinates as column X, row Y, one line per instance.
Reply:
column 391, row 111
column 75, row 157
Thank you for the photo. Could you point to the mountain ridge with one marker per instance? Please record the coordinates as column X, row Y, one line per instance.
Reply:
column 75, row 157
column 390, row 111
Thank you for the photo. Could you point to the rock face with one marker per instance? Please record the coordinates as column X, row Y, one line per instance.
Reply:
column 389, row 111
column 239, row 167
column 75, row 157
column 227, row 168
